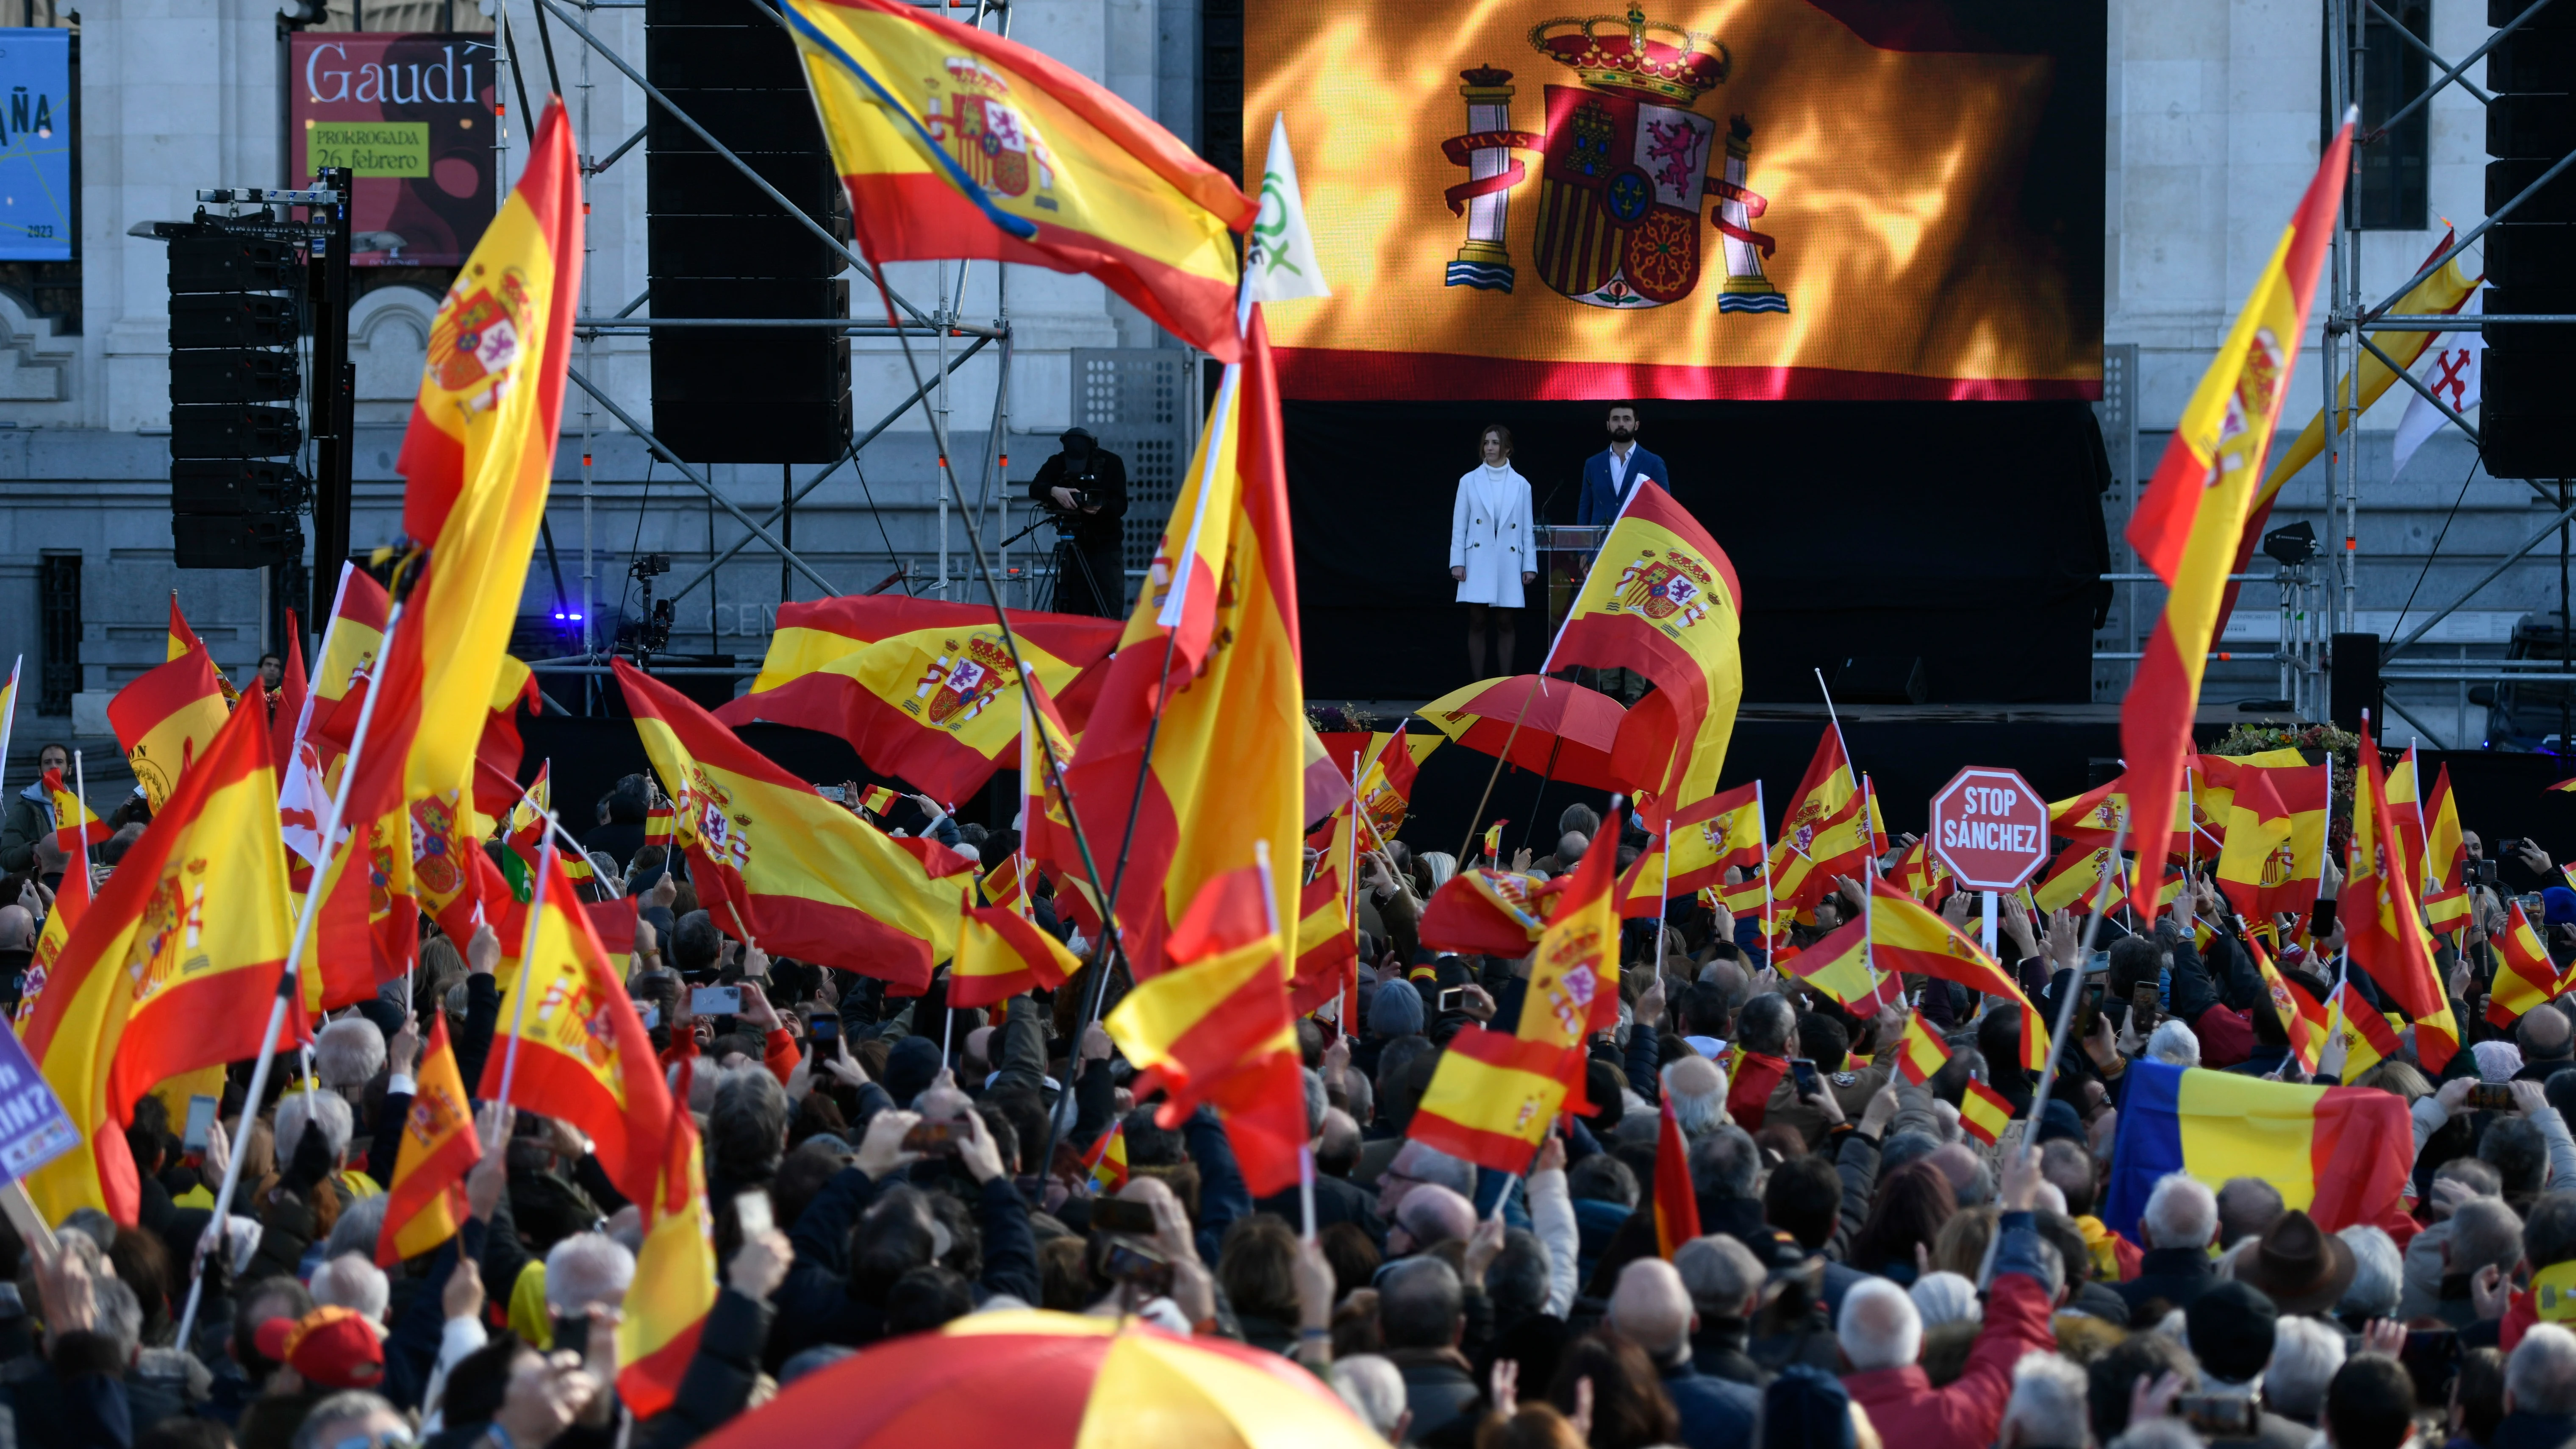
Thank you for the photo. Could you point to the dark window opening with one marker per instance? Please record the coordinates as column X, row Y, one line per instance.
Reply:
column 2392, row 162
column 58, row 604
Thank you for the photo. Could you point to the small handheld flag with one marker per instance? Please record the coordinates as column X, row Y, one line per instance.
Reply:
column 1106, row 1166
column 1676, row 1204
column 1494, row 841
column 1983, row 1113
column 877, row 799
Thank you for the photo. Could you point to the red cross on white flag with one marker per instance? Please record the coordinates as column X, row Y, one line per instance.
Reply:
column 2452, row 375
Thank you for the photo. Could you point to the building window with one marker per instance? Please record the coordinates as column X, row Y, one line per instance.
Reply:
column 1221, row 86
column 58, row 606
column 2389, row 191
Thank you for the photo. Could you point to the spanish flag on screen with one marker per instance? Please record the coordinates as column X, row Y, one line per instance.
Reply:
column 958, row 143
column 2189, row 526
column 2340, row 1153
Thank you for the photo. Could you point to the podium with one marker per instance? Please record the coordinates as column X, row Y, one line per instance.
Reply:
column 1565, row 553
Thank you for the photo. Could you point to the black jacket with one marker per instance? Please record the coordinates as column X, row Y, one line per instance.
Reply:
column 2519, row 1430
column 1438, row 1387
column 1337, row 1200
column 1101, row 472
column 815, row 1304
column 2175, row 1275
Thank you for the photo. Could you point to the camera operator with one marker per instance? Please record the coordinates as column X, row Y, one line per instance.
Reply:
column 1085, row 487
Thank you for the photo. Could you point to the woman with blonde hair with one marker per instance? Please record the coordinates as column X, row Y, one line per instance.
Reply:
column 1490, row 550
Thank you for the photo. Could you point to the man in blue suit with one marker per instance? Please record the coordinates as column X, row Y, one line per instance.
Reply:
column 1610, row 475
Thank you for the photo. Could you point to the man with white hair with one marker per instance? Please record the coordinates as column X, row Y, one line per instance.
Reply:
column 585, row 1271
column 1375, row 1392
column 1696, row 1087
column 2174, row 1044
column 2047, row 1408
column 2181, row 1218
column 355, row 1283
column 2305, row 1355
column 2539, row 1391
column 347, row 1054
column 1881, row 1335
column 1651, row 1309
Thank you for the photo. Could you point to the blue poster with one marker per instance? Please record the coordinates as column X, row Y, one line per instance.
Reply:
column 34, row 1128
column 35, row 145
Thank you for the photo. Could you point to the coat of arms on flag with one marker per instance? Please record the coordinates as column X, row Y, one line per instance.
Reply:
column 1626, row 159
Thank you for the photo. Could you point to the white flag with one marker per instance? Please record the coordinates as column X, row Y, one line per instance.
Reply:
column 2453, row 377
column 1281, row 253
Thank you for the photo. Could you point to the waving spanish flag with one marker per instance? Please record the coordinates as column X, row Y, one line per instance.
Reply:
column 1327, row 943
column 674, row 1289
column 1663, row 600
column 166, row 718
column 1491, row 1098
column 1220, row 610
column 1839, row 966
column 1826, row 833
column 1905, row 937
column 956, row 142
column 581, row 1052
column 425, row 1203
column 1921, row 1053
column 1215, row 1028
column 778, row 863
column 480, row 451
column 923, row 689
column 172, row 967
column 1702, row 841
column 1484, row 913
column 2190, row 526
column 2528, row 977
column 2381, row 923
column 183, row 638
column 1386, row 786
column 2303, row 1019
column 1001, row 953
column 2273, row 843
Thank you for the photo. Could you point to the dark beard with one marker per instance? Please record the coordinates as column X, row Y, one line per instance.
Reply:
column 1623, row 435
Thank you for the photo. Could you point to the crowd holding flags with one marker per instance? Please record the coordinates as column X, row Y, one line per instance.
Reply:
column 1167, row 772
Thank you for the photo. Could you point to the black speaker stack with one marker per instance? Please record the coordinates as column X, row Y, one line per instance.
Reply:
column 2530, row 371
column 719, row 247
column 236, row 311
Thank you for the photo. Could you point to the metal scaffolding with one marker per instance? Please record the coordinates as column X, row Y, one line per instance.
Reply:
column 943, row 323
column 2347, row 324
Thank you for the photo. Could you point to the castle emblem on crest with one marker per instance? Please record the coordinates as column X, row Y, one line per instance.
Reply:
column 985, row 134
column 1625, row 159
column 961, row 682
column 476, row 340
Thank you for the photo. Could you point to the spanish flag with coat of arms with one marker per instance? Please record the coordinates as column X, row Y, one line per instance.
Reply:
column 2189, row 526
column 172, row 967
column 959, row 143
column 1212, row 648
column 1663, row 600
column 778, row 864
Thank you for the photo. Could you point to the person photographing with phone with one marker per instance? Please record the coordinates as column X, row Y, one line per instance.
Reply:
column 1084, row 488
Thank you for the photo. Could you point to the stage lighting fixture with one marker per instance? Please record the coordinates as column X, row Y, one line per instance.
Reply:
column 2292, row 546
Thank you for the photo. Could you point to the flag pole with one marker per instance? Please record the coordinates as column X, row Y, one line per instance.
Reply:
column 1305, row 1151
column 2065, row 1023
column 519, row 986
column 1350, row 1021
column 80, row 827
column 10, row 719
column 287, row 990
column 1762, row 825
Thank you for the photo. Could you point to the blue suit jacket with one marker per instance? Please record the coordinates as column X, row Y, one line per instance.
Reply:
column 1599, row 504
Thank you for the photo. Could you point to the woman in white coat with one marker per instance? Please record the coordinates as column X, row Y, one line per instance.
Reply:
column 1490, row 551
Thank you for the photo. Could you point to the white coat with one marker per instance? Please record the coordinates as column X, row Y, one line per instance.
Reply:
column 1489, row 536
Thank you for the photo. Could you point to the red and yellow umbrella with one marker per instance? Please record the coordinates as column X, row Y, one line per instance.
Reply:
column 1565, row 733
column 1038, row 1380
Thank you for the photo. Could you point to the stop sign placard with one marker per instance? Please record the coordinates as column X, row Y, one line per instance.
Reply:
column 1990, row 828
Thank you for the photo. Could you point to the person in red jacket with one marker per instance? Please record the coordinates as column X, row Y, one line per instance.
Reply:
column 1881, row 1335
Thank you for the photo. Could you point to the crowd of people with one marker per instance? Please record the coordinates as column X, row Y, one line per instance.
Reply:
column 1867, row 1273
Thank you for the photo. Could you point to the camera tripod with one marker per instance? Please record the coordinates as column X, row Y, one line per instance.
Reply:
column 1110, row 605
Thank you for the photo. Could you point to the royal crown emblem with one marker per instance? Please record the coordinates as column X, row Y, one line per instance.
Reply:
column 1662, row 588
column 476, row 340
column 988, row 137
column 961, row 681
column 1626, row 158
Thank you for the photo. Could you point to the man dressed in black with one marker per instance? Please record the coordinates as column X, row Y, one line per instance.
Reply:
column 1085, row 486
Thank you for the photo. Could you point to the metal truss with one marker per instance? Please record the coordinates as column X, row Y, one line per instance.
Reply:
column 2348, row 321
column 941, row 323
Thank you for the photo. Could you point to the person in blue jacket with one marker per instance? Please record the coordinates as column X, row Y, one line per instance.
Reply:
column 1610, row 475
